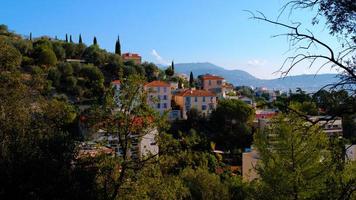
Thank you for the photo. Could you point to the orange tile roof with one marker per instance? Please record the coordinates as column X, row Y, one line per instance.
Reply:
column 211, row 77
column 116, row 82
column 157, row 84
column 196, row 93
column 131, row 55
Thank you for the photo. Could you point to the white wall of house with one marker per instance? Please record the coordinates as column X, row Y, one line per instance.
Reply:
column 159, row 98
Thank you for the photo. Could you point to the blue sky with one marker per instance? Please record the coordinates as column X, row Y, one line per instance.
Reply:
column 216, row 31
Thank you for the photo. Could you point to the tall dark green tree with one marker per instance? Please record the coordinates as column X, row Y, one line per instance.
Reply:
column 31, row 36
column 66, row 37
column 231, row 123
column 70, row 39
column 118, row 46
column 80, row 39
column 95, row 42
column 191, row 80
column 172, row 66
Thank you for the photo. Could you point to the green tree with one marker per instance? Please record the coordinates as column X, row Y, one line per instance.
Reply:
column 95, row 55
column 24, row 46
column 134, row 118
column 45, row 56
column 10, row 57
column 172, row 66
column 70, row 39
column 95, row 42
column 204, row 185
column 59, row 51
column 79, row 50
column 80, row 39
column 55, row 76
column 191, row 80
column 34, row 133
column 169, row 72
column 114, row 66
column 294, row 159
column 66, row 38
column 93, row 80
column 118, row 46
column 151, row 71
column 231, row 122
column 69, row 50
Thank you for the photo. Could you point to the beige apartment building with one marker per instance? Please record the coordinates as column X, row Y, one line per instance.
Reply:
column 159, row 95
column 204, row 101
column 211, row 82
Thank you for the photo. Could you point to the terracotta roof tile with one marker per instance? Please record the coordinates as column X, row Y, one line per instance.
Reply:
column 116, row 82
column 157, row 84
column 196, row 93
column 131, row 55
column 211, row 77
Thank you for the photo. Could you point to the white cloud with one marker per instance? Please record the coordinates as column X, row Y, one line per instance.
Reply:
column 159, row 58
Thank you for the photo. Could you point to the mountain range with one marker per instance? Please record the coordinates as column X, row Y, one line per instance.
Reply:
column 306, row 82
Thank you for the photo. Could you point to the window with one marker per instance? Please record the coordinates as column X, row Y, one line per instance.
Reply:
column 209, row 82
column 187, row 108
column 164, row 97
column 158, row 89
column 159, row 97
column 164, row 89
column 219, row 82
column 195, row 99
column 158, row 105
column 187, row 100
column 203, row 99
column 165, row 105
column 211, row 99
column 203, row 107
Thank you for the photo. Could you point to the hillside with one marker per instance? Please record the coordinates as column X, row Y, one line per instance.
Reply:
column 240, row 77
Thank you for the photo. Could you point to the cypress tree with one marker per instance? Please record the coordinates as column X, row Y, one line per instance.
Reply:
column 191, row 80
column 80, row 39
column 70, row 39
column 66, row 37
column 118, row 46
column 172, row 66
column 31, row 36
column 95, row 42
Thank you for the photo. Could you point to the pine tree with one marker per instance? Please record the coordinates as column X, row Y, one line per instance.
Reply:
column 95, row 42
column 191, row 80
column 118, row 46
column 294, row 159
column 80, row 39
column 70, row 39
column 66, row 37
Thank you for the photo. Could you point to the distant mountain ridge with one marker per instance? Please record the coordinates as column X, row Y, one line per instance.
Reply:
column 308, row 82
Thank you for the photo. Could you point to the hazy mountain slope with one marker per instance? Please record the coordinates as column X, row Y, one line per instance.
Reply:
column 240, row 77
